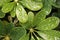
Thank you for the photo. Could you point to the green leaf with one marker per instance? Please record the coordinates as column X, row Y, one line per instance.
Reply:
column 30, row 18
column 17, row 33
column 2, row 2
column 7, row 7
column 25, row 25
column 55, row 3
column 2, row 14
column 25, row 37
column 13, row 12
column 52, row 1
column 39, row 17
column 47, row 7
column 21, row 14
column 50, row 35
column 29, row 23
column 8, row 28
column 32, row 5
column 48, row 24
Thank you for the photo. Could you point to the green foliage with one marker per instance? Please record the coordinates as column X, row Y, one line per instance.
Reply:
column 32, row 5
column 12, row 32
column 2, row 14
column 13, row 13
column 55, row 3
column 17, row 33
column 48, row 36
column 21, row 14
column 29, row 19
column 7, row 7
column 48, row 24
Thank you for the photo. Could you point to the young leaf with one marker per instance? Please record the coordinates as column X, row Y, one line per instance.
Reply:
column 30, row 18
column 32, row 5
column 13, row 12
column 21, row 14
column 50, row 35
column 29, row 23
column 48, row 24
column 7, row 7
column 17, row 33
